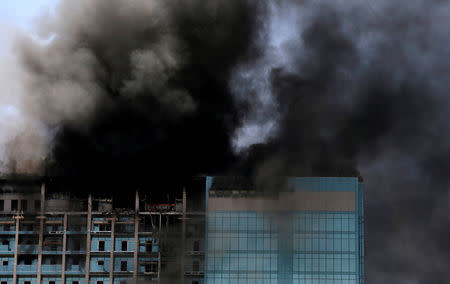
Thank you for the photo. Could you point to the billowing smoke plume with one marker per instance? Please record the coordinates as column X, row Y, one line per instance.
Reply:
column 138, row 88
column 140, row 91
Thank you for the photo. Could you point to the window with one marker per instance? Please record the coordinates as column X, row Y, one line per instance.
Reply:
column 14, row 205
column 5, row 243
column 6, row 227
column 124, row 245
column 194, row 282
column 100, row 262
column 123, row 266
column 195, row 266
column 2, row 205
column 101, row 245
column 123, row 282
column 26, row 282
column 4, row 282
column 37, row 205
column 196, row 246
column 76, row 261
column 28, row 260
column 148, row 246
column 51, row 282
column 23, row 205
column 76, row 245
column 99, row 282
column 104, row 227
column 5, row 263
column 74, row 282
column 53, row 261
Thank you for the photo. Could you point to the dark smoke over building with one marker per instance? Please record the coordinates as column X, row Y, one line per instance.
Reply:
column 140, row 90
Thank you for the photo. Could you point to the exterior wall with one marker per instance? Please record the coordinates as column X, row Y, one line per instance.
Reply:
column 311, row 234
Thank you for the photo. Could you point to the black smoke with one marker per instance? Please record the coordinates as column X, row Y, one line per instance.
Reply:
column 149, row 93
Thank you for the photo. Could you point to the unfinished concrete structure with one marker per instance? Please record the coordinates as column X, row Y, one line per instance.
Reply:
column 58, row 239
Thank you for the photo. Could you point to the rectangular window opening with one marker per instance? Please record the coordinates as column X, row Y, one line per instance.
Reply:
column 37, row 205
column 2, row 205
column 26, row 282
column 5, row 263
column 101, row 245
column 100, row 262
column 51, row 282
column 123, row 266
column 24, row 205
column 74, row 282
column 99, row 282
column 14, row 205
column 124, row 245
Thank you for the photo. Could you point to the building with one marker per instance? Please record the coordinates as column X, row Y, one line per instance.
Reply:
column 311, row 231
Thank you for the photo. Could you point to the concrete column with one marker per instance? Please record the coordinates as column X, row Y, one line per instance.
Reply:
column 88, row 239
column 183, row 238
column 16, row 249
column 63, row 270
column 111, row 253
column 136, row 239
column 41, row 233
column 159, row 247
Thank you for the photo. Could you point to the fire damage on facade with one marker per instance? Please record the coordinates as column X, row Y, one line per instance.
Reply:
column 231, row 234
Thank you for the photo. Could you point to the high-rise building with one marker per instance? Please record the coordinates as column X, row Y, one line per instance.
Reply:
column 310, row 231
column 304, row 230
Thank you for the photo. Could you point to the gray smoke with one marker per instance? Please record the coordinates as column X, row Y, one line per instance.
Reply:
column 327, row 87
column 363, row 85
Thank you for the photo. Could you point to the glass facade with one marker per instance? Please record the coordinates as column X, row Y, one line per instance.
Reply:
column 288, row 243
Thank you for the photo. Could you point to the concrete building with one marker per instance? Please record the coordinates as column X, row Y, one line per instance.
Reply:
column 310, row 231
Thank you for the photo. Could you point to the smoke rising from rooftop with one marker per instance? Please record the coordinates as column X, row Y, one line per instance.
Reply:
column 137, row 89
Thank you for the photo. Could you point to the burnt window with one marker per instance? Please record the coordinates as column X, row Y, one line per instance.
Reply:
column 5, row 243
column 74, row 282
column 150, row 267
column 194, row 282
column 5, row 263
column 4, row 282
column 24, row 205
column 76, row 245
column 103, row 227
column 148, row 246
column 124, row 246
column 28, row 260
column 195, row 266
column 26, row 282
column 123, row 266
column 76, row 261
column 100, row 262
column 196, row 246
column 101, row 245
column 2, row 205
column 99, row 282
column 37, row 205
column 51, row 282
column 14, row 204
